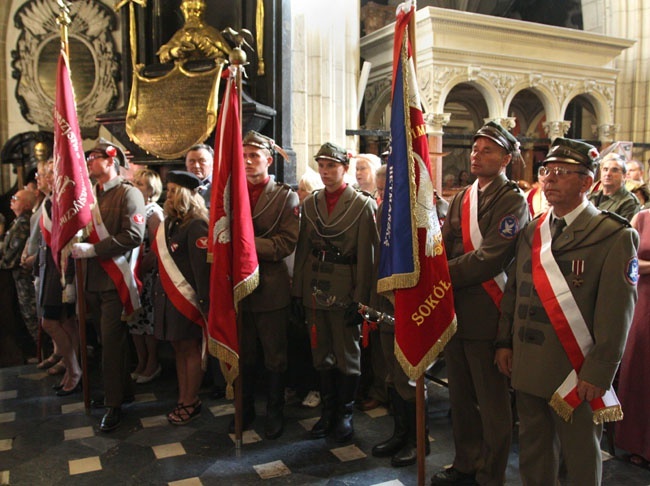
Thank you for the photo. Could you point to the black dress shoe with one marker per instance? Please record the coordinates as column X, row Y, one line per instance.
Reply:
column 98, row 402
column 111, row 419
column 452, row 476
column 62, row 392
column 57, row 387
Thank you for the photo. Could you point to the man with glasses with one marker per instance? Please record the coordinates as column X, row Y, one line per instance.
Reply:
column 565, row 316
column 613, row 196
column 479, row 234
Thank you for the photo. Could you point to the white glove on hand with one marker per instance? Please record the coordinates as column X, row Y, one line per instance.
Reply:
column 83, row 250
column 70, row 294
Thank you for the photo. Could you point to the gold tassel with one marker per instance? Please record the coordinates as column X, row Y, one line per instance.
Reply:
column 608, row 414
column 561, row 407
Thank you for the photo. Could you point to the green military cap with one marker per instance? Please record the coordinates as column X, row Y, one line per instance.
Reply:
column 109, row 150
column 572, row 152
column 184, row 179
column 499, row 135
column 258, row 140
column 333, row 152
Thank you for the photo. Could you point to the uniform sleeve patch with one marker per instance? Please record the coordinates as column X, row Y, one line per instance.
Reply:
column 509, row 226
column 202, row 243
column 296, row 211
column 138, row 218
column 632, row 271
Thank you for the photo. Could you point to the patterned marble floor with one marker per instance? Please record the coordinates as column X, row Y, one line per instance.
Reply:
column 47, row 440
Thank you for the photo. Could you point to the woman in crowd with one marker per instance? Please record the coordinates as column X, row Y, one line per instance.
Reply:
column 58, row 317
column 366, row 168
column 181, row 291
column 633, row 432
column 141, row 324
column 332, row 274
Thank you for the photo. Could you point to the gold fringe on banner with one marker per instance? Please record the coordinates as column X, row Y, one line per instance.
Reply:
column 229, row 363
column 561, row 407
column 608, row 414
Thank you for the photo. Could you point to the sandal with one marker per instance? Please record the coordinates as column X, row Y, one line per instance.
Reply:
column 57, row 369
column 52, row 360
column 184, row 414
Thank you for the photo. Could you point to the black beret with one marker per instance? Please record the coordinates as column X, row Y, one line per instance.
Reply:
column 184, row 179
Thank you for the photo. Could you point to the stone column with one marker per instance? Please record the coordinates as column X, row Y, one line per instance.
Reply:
column 435, row 123
column 554, row 129
column 606, row 133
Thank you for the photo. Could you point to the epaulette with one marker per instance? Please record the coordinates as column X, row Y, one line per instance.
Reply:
column 283, row 184
column 617, row 217
column 513, row 185
column 365, row 193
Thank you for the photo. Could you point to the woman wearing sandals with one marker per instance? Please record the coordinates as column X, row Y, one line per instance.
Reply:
column 58, row 317
column 141, row 323
column 182, row 287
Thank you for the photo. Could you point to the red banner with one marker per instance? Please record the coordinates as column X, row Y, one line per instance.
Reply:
column 231, row 246
column 413, row 264
column 72, row 194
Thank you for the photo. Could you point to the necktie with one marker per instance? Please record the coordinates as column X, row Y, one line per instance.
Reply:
column 558, row 226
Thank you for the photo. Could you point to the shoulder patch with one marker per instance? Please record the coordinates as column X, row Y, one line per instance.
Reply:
column 202, row 243
column 138, row 218
column 296, row 211
column 509, row 226
column 617, row 218
column 632, row 271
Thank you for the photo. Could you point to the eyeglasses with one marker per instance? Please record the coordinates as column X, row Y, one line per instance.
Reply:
column 15, row 198
column 97, row 156
column 558, row 171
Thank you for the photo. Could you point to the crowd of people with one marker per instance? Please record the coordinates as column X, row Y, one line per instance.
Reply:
column 534, row 276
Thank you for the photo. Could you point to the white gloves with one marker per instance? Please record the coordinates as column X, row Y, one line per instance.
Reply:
column 69, row 294
column 83, row 250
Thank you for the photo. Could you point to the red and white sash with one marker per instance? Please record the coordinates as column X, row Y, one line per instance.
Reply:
column 178, row 290
column 569, row 325
column 45, row 222
column 118, row 268
column 472, row 239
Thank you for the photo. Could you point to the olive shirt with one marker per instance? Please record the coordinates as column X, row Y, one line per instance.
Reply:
column 502, row 212
column 350, row 231
column 276, row 220
column 596, row 254
column 622, row 202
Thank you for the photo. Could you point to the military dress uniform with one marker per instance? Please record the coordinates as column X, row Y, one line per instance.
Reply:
column 480, row 401
column 594, row 255
column 14, row 243
column 122, row 210
column 622, row 202
column 333, row 272
column 276, row 222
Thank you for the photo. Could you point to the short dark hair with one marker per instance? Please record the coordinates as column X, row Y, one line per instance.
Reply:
column 201, row 146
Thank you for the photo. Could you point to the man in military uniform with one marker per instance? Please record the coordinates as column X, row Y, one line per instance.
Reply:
column 275, row 212
column 118, row 228
column 199, row 160
column 333, row 273
column 21, row 204
column 479, row 234
column 566, row 312
column 613, row 196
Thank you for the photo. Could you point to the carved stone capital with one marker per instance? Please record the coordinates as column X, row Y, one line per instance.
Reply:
column 435, row 122
column 606, row 132
column 554, row 129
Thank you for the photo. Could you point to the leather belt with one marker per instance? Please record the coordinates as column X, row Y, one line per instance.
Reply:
column 331, row 257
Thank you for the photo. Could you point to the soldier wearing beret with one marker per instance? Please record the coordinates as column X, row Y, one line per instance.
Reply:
column 118, row 229
column 275, row 212
column 560, row 338
column 480, row 233
column 332, row 274
column 613, row 196
column 181, row 289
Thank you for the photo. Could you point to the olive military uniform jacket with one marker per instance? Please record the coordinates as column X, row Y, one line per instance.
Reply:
column 336, row 251
column 596, row 254
column 502, row 212
column 14, row 242
column 622, row 202
column 123, row 213
column 276, row 220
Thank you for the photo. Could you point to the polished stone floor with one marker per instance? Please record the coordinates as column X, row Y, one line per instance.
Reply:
column 47, row 440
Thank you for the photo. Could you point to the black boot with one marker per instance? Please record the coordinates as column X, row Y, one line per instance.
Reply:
column 408, row 454
column 274, row 425
column 400, row 430
column 248, row 399
column 327, row 421
column 346, row 392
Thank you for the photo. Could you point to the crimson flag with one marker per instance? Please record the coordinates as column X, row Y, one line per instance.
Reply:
column 72, row 194
column 231, row 245
column 413, row 263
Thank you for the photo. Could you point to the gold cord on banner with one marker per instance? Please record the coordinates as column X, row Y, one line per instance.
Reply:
column 133, row 38
column 259, row 35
